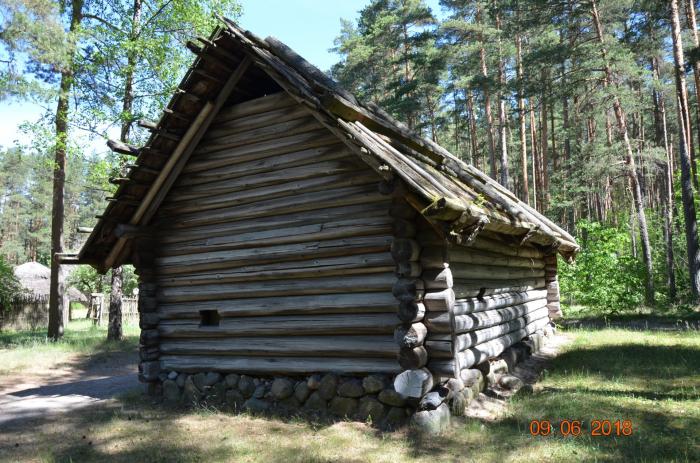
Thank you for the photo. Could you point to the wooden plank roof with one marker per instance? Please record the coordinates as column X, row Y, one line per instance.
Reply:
column 234, row 65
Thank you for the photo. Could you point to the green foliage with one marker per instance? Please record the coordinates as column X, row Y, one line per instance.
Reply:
column 9, row 286
column 605, row 273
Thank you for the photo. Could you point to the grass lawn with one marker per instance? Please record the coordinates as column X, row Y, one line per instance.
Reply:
column 649, row 378
column 31, row 351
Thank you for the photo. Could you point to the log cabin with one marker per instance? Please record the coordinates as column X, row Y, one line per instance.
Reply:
column 297, row 246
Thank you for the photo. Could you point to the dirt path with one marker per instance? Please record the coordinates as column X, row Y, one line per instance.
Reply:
column 79, row 383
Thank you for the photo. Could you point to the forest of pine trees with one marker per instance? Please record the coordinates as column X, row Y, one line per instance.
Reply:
column 587, row 110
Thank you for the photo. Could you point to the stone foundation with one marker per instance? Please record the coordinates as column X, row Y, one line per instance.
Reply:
column 434, row 411
column 369, row 399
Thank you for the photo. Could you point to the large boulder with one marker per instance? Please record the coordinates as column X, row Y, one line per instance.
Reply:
column 431, row 422
column 316, row 402
column 246, row 386
column 302, row 391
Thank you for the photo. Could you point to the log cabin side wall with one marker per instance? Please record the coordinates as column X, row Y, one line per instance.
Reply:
column 273, row 253
column 486, row 297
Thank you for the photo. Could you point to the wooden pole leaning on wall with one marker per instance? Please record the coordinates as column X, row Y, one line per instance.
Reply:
column 415, row 380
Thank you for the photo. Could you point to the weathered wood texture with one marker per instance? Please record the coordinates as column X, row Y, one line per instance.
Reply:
column 278, row 233
column 480, row 298
column 552, row 282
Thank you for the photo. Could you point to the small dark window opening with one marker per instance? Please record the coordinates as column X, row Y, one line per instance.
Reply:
column 209, row 318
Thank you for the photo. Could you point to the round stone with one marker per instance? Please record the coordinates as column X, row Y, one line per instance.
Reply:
column 314, row 382
column 232, row 380
column 200, row 380
column 172, row 375
column 234, row 398
column 343, row 406
column 395, row 418
column 510, row 382
column 328, row 386
column 370, row 409
column 282, row 388
column 259, row 392
column 431, row 422
column 212, row 378
column 246, row 386
column 372, row 384
column 391, row 397
column 171, row 391
column 351, row 388
column 302, row 391
column 316, row 402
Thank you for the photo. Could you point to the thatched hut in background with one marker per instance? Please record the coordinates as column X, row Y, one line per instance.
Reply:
column 30, row 310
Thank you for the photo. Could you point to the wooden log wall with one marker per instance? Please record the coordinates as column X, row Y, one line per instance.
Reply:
column 552, row 282
column 409, row 288
column 486, row 296
column 275, row 252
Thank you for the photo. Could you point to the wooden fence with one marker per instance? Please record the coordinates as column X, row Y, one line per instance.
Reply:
column 99, row 309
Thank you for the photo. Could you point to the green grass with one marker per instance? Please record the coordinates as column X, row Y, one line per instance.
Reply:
column 650, row 378
column 678, row 315
column 31, row 350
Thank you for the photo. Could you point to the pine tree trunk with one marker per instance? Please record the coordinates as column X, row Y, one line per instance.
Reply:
column 631, row 165
column 544, row 142
column 114, row 331
column 502, row 135
column 693, row 28
column 487, row 101
column 535, row 164
column 691, row 226
column 476, row 156
column 56, row 284
column 521, row 118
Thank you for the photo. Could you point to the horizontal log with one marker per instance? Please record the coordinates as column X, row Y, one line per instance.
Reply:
column 262, row 170
column 436, row 256
column 495, row 347
column 496, row 301
column 254, row 121
column 469, row 271
column 346, row 196
column 408, row 289
column 277, row 365
column 256, row 106
column 441, row 322
column 288, row 252
column 332, row 266
column 265, row 149
column 123, row 148
column 411, row 335
column 413, row 358
column 473, row 288
column 360, row 302
column 405, row 250
column 404, row 228
column 411, row 311
column 255, row 135
column 438, row 279
column 442, row 346
column 268, row 193
column 283, row 325
column 325, row 285
column 286, row 346
column 332, row 229
column 504, row 248
column 414, row 383
column 168, row 234
column 439, row 301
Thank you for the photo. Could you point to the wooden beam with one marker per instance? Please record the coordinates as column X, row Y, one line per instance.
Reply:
column 123, row 148
column 85, row 229
column 177, row 160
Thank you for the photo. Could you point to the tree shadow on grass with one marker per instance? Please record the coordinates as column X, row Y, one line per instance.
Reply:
column 657, row 388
